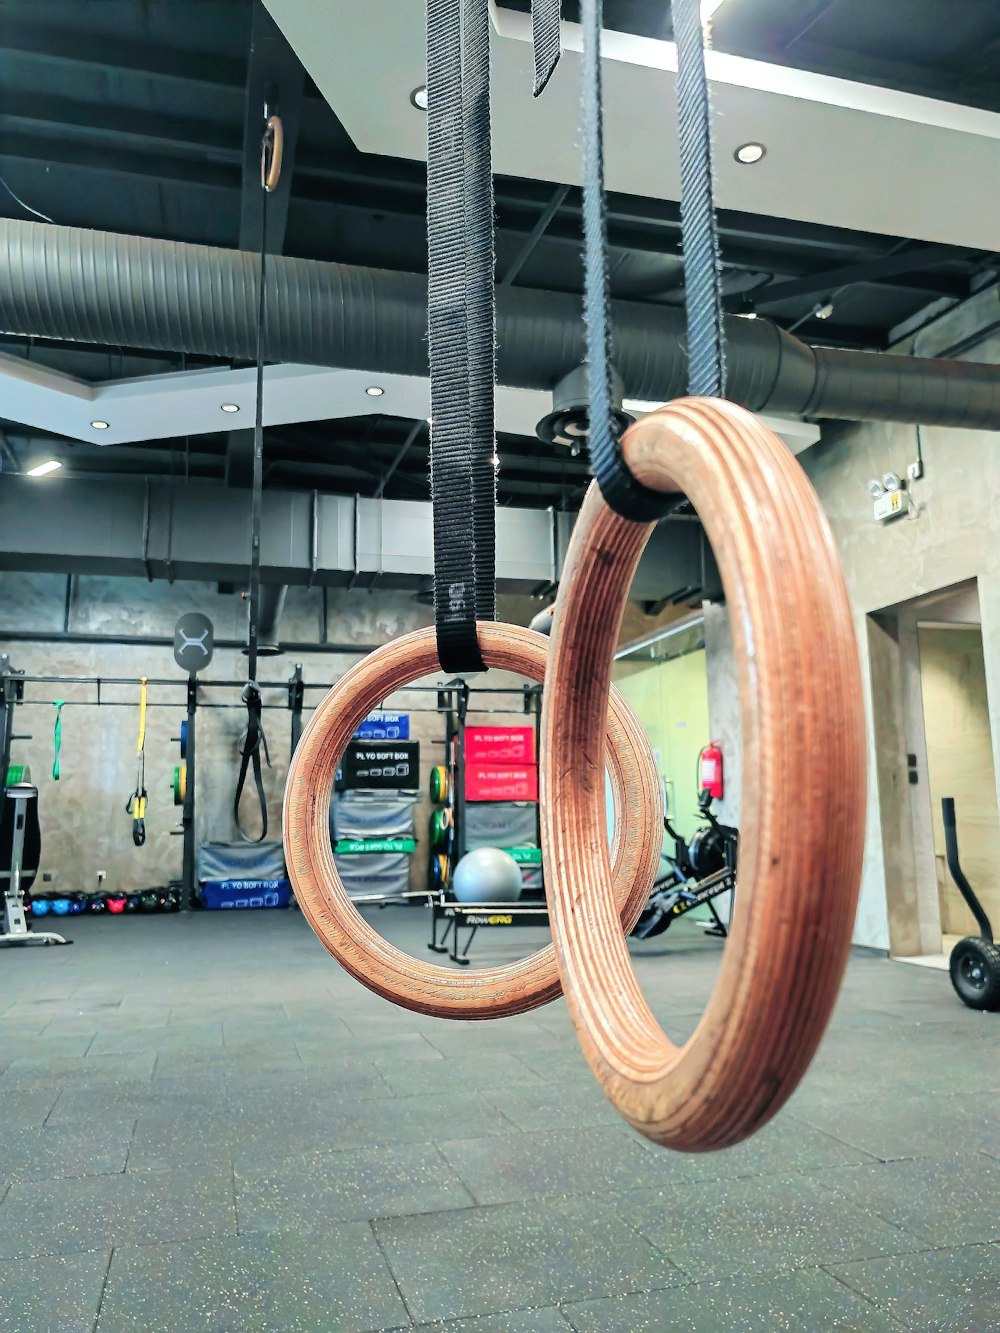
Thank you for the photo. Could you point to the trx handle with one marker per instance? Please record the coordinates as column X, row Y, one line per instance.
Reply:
column 57, row 704
column 136, row 803
column 251, row 742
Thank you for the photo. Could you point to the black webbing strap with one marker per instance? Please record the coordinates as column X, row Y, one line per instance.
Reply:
column 620, row 490
column 460, row 326
column 546, row 42
column 699, row 231
column 253, row 737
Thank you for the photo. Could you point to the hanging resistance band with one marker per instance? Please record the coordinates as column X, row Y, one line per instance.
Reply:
column 136, row 804
column 253, row 738
column 699, row 230
column 57, row 704
column 621, row 491
column 461, row 326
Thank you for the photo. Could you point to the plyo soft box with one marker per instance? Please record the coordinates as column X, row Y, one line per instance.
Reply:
column 501, row 782
column 499, row 745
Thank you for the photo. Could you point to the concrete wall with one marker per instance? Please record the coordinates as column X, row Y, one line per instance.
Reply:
column 960, row 765
column 84, row 825
column 949, row 535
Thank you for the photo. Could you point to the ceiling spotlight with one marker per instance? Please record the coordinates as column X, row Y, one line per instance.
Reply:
column 43, row 469
column 891, row 482
column 99, row 425
column 230, row 407
column 875, row 489
column 418, row 97
column 749, row 153
column 824, row 311
column 374, row 391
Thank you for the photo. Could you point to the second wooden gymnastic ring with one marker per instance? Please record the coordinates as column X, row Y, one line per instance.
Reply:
column 803, row 802
column 410, row 982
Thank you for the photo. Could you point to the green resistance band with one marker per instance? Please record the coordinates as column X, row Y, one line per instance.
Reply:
column 57, row 704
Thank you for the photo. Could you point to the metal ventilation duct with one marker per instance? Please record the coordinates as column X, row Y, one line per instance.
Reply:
column 90, row 286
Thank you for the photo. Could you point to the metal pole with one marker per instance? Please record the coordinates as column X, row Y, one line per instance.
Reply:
column 189, row 872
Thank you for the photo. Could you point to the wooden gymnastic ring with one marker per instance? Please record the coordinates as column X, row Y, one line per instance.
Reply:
column 379, row 965
column 271, row 150
column 803, row 809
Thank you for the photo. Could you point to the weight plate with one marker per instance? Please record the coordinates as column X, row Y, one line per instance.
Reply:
column 180, row 784
column 184, row 738
column 18, row 773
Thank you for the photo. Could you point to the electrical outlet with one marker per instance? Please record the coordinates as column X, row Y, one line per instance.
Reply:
column 915, row 470
column 47, row 876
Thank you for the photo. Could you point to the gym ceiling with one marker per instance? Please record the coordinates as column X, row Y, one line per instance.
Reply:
column 141, row 117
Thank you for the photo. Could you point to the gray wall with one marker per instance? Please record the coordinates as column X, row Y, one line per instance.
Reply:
column 84, row 825
column 950, row 534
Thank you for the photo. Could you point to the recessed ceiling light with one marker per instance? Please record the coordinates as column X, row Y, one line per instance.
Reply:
column 99, row 425
column 374, row 391
column 230, row 407
column 418, row 97
column 43, row 469
column 749, row 153
column 824, row 311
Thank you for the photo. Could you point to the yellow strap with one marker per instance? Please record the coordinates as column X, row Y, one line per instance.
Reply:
column 142, row 715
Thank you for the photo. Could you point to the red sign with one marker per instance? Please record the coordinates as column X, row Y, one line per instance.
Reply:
column 500, row 745
column 501, row 782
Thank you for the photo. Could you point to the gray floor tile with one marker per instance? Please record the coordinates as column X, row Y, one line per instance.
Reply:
column 336, row 1282
column 809, row 1301
column 17, row 1044
column 748, row 1225
column 784, row 1146
column 161, row 1040
column 545, row 1107
column 942, row 1201
column 83, row 1068
column 46, row 1152
column 318, row 1050
column 27, row 1103
column 345, row 1187
column 936, row 1290
column 889, row 1126
column 56, row 1294
column 515, row 1256
column 95, row 1212
column 471, row 1073
column 548, row 1320
column 192, row 1093
column 590, row 1160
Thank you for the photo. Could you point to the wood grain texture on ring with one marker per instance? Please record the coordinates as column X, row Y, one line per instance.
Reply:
column 379, row 965
column 803, row 809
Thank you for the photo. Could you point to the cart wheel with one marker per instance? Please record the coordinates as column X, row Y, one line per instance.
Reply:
column 975, row 973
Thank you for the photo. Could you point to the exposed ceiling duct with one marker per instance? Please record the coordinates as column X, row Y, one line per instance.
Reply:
column 89, row 286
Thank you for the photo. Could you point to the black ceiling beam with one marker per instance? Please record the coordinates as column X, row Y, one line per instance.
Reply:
column 75, row 119
column 112, row 160
column 40, row 42
column 871, row 271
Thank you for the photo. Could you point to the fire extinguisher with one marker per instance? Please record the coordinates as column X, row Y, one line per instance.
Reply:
column 710, row 770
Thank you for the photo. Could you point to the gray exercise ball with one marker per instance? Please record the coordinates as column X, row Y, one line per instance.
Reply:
column 487, row 875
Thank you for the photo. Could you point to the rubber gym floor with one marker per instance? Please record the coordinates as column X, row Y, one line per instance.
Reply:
column 205, row 1124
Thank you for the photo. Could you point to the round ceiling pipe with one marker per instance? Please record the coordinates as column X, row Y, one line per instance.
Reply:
column 91, row 286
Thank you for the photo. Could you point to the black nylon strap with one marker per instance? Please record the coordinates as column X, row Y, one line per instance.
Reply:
column 462, row 443
column 253, row 737
column 699, row 231
column 546, row 42
column 480, row 295
column 620, row 490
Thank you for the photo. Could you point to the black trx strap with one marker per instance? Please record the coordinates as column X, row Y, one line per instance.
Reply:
column 699, row 232
column 253, row 737
column 460, row 326
column 620, row 490
column 545, row 41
